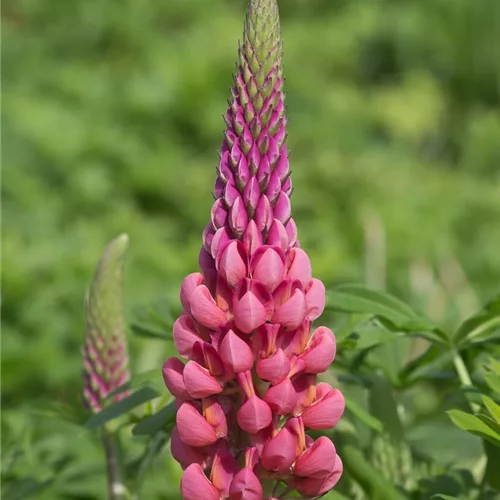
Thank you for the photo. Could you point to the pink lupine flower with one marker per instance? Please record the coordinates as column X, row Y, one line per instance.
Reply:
column 105, row 358
column 248, row 392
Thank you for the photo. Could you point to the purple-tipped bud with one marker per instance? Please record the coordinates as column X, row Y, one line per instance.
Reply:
column 105, row 358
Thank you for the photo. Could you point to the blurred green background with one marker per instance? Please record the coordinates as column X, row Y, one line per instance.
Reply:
column 111, row 123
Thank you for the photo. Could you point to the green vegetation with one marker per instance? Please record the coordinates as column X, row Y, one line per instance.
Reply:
column 111, row 122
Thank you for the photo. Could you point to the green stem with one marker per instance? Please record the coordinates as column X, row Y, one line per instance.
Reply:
column 464, row 376
column 116, row 487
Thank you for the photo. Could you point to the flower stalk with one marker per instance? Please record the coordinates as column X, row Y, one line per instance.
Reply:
column 248, row 390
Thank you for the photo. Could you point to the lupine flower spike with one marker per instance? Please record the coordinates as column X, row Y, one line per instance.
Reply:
column 105, row 358
column 247, row 391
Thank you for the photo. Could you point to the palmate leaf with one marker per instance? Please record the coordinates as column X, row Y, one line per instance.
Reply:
column 154, row 321
column 394, row 314
column 492, row 407
column 475, row 425
column 482, row 326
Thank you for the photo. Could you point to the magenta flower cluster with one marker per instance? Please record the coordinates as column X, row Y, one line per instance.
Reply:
column 249, row 391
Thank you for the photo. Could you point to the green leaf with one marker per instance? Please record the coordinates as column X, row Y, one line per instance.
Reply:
column 371, row 336
column 495, row 366
column 430, row 364
column 383, row 407
column 164, row 419
column 492, row 407
column 358, row 299
column 493, row 465
column 154, row 321
column 121, row 407
column 474, row 425
column 493, row 382
column 490, row 422
column 25, row 488
column 370, row 479
column 481, row 326
column 363, row 415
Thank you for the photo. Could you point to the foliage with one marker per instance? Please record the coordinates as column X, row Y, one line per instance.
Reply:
column 111, row 118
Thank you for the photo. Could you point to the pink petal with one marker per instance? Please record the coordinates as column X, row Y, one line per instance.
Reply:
column 223, row 470
column 249, row 313
column 268, row 266
column 281, row 398
column 199, row 382
column 277, row 235
column 252, row 238
column 291, row 314
column 318, row 461
column 299, row 266
column 213, row 361
column 195, row 485
column 325, row 413
column 215, row 416
column 204, row 308
column 184, row 454
column 190, row 283
column 305, row 388
column 236, row 353
column 275, row 368
column 280, row 452
column 206, row 262
column 291, row 229
column 254, row 415
column 193, row 429
column 311, row 487
column 246, row 486
column 218, row 214
column 238, row 217
column 274, row 187
column 315, row 299
column 185, row 335
column 172, row 372
column 251, row 195
column 320, row 351
column 263, row 214
column 283, row 209
column 220, row 239
column 231, row 263
column 296, row 342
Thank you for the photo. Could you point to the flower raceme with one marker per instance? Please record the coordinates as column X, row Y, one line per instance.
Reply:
column 248, row 389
